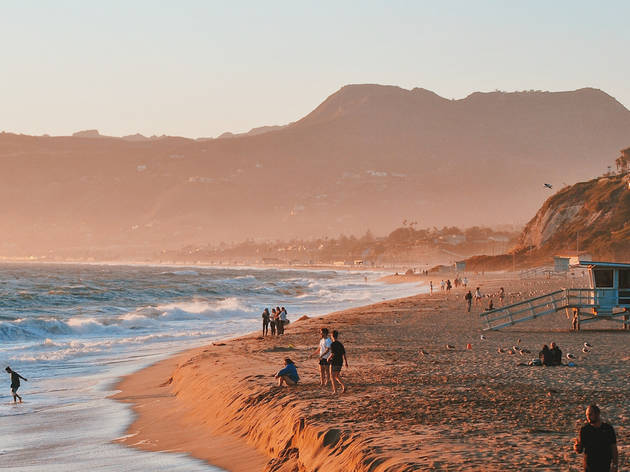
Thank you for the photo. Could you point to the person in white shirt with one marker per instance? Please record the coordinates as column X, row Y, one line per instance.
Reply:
column 323, row 351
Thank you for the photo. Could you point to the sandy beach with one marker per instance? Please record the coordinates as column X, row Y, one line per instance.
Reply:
column 411, row 404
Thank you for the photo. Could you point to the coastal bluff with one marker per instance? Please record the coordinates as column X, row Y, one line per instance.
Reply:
column 411, row 403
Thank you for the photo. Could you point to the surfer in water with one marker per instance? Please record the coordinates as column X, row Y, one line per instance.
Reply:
column 15, row 384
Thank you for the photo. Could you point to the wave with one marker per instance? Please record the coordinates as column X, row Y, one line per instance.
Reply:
column 144, row 318
column 180, row 272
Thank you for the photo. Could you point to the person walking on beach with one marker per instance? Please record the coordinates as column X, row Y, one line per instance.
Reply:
column 272, row 322
column 288, row 375
column 283, row 318
column 468, row 297
column 337, row 360
column 15, row 383
column 323, row 351
column 598, row 442
column 478, row 296
column 265, row 319
column 448, row 285
column 431, row 285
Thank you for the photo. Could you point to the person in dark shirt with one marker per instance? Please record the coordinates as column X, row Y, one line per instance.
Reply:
column 545, row 355
column 289, row 375
column 468, row 297
column 598, row 442
column 15, row 383
column 336, row 362
column 556, row 355
column 265, row 318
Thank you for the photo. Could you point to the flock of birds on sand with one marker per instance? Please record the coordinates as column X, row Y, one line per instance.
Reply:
column 516, row 349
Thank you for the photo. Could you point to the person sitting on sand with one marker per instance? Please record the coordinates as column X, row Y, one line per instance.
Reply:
column 15, row 383
column 545, row 355
column 288, row 375
column 490, row 306
column 265, row 318
column 556, row 354
column 324, row 354
column 337, row 359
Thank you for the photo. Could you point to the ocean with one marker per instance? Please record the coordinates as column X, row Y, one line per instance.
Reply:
column 74, row 329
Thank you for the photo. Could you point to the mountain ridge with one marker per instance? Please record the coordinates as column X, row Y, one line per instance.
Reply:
column 367, row 157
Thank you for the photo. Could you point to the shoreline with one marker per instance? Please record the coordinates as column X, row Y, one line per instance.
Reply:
column 460, row 409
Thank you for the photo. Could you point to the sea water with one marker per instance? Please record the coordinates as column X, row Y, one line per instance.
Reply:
column 73, row 330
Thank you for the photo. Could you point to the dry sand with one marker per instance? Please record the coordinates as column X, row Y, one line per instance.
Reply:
column 450, row 410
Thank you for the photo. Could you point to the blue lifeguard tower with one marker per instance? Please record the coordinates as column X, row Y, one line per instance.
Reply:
column 607, row 298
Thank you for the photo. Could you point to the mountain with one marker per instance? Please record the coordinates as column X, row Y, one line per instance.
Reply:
column 368, row 157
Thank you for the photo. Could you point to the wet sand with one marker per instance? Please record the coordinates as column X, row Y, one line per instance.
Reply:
column 440, row 409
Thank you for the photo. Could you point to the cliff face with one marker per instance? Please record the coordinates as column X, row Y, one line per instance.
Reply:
column 591, row 216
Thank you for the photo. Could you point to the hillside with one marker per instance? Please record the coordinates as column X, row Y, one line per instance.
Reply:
column 368, row 157
column 592, row 217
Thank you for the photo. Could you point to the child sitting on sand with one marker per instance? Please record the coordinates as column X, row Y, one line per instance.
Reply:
column 289, row 375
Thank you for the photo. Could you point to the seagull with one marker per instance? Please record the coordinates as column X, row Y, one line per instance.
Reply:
column 422, row 352
column 587, row 345
column 516, row 348
column 548, row 185
column 500, row 350
column 518, row 341
column 570, row 356
column 450, row 347
column 483, row 337
column 585, row 350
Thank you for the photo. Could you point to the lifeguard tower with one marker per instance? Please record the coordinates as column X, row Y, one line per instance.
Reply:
column 607, row 298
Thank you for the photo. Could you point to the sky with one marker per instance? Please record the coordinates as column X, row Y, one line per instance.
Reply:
column 200, row 68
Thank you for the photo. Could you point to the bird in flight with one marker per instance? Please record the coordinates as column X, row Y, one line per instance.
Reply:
column 548, row 185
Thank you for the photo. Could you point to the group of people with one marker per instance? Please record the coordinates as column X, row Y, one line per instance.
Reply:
column 550, row 355
column 331, row 355
column 478, row 298
column 276, row 321
column 448, row 285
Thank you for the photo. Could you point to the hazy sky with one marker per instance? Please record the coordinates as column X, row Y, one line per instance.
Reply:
column 199, row 68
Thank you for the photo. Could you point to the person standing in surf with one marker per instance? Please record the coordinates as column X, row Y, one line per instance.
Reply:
column 15, row 383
